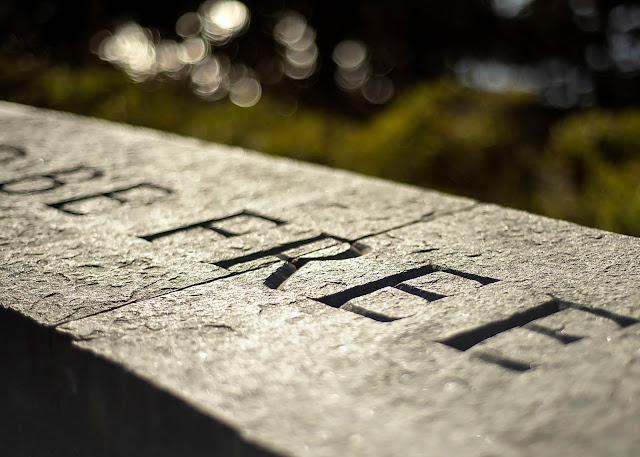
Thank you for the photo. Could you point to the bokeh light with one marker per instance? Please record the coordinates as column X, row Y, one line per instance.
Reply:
column 211, row 78
column 624, row 37
column 131, row 49
column 353, row 68
column 189, row 25
column 352, row 79
column 297, row 45
column 193, row 50
column 224, row 19
column 246, row 92
column 585, row 14
column 559, row 83
column 378, row 90
column 290, row 28
column 201, row 54
column 349, row 54
column 563, row 85
column 167, row 58
column 304, row 58
column 510, row 9
column 355, row 73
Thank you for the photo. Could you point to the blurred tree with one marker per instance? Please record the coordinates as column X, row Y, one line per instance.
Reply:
column 414, row 39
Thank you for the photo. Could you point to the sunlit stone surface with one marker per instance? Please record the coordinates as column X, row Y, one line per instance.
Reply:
column 164, row 296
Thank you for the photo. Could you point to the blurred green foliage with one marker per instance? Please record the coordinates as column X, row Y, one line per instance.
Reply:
column 593, row 170
column 582, row 166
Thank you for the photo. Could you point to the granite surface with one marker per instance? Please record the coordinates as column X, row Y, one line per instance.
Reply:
column 314, row 311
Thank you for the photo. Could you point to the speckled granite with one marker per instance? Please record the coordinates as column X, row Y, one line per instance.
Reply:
column 314, row 311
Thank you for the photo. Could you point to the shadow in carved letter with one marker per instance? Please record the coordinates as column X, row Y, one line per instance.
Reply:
column 44, row 182
column 236, row 224
column 9, row 153
column 140, row 193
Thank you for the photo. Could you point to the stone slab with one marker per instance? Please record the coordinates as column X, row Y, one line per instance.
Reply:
column 315, row 311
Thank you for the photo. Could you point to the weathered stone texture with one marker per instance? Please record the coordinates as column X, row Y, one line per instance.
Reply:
column 318, row 312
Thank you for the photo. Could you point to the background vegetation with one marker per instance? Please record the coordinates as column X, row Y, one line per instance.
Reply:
column 552, row 150
column 581, row 166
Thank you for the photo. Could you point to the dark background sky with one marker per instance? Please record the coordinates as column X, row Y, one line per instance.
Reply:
column 412, row 40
